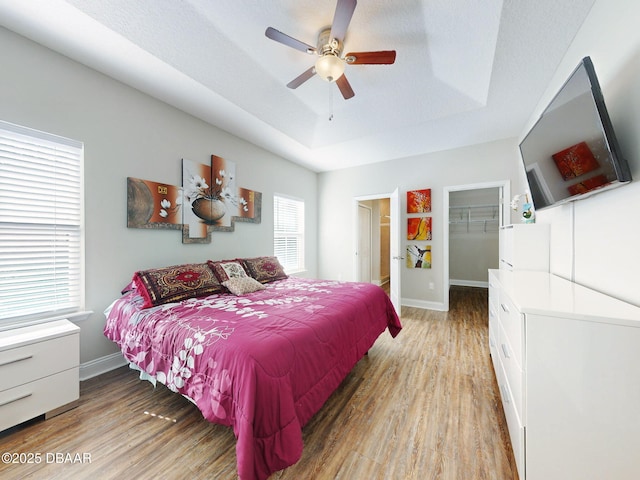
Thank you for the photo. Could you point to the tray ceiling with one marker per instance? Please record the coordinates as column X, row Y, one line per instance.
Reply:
column 466, row 71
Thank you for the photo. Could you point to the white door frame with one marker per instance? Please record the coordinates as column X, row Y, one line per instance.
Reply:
column 396, row 256
column 504, row 215
column 369, row 215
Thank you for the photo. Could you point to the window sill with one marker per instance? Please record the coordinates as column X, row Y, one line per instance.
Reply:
column 73, row 317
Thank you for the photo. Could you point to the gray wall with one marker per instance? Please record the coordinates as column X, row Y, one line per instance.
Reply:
column 127, row 133
column 490, row 162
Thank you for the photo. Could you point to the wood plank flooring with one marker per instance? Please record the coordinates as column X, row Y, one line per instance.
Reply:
column 424, row 405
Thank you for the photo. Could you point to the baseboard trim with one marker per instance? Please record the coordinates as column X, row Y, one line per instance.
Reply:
column 468, row 283
column 425, row 305
column 101, row 365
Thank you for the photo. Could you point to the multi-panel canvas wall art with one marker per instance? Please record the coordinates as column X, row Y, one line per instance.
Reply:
column 209, row 200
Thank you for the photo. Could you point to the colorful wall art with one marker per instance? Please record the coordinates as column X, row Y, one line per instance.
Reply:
column 419, row 201
column 418, row 256
column 419, row 228
column 208, row 201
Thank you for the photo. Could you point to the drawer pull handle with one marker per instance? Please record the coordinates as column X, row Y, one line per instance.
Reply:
column 15, row 399
column 505, row 350
column 504, row 307
column 15, row 360
column 505, row 394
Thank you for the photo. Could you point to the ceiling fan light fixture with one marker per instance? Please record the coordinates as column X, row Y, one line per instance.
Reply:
column 330, row 67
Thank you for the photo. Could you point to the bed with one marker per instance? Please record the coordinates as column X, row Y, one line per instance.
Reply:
column 254, row 349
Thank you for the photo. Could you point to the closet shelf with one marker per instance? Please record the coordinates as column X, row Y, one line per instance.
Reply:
column 476, row 214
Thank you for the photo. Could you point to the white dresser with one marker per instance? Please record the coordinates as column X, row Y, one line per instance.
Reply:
column 524, row 246
column 39, row 371
column 567, row 362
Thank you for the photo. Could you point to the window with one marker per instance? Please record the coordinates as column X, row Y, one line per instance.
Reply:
column 288, row 232
column 40, row 225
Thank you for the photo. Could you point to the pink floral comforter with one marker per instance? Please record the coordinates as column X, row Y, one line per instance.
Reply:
column 262, row 363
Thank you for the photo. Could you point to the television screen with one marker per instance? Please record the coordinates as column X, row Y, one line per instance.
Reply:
column 571, row 151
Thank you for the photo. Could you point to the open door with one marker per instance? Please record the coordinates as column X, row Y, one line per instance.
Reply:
column 395, row 245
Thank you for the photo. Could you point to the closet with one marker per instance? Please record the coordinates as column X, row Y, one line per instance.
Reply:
column 474, row 220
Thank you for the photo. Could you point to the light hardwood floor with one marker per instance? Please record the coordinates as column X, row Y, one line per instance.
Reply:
column 424, row 405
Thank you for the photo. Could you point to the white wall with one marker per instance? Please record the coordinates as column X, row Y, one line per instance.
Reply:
column 594, row 241
column 490, row 162
column 127, row 133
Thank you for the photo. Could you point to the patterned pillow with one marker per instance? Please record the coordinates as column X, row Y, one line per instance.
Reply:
column 176, row 283
column 264, row 269
column 243, row 285
column 226, row 269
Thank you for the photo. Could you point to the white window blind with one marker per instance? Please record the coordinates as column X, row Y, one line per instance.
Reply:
column 40, row 224
column 288, row 232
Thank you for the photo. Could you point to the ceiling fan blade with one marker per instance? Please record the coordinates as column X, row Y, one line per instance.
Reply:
column 342, row 18
column 285, row 39
column 303, row 77
column 383, row 57
column 345, row 87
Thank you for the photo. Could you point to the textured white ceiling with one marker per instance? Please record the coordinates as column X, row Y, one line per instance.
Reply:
column 466, row 71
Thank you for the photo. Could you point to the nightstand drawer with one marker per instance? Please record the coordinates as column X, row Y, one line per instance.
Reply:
column 27, row 401
column 24, row 364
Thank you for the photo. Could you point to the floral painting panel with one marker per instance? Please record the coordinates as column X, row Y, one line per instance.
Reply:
column 153, row 205
column 213, row 201
column 419, row 201
column 419, row 228
column 418, row 256
column 196, row 181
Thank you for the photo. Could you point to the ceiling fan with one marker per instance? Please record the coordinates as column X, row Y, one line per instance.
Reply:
column 330, row 66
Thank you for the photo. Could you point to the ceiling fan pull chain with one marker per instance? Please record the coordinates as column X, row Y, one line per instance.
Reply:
column 330, row 104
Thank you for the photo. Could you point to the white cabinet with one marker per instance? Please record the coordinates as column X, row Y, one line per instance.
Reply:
column 524, row 246
column 39, row 371
column 567, row 362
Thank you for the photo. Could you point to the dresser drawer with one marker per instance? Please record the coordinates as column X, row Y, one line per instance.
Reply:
column 513, row 373
column 494, row 289
column 494, row 331
column 36, row 360
column 511, row 321
column 516, row 430
column 27, row 401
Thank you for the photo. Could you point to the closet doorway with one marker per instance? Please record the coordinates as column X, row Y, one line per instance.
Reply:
column 474, row 214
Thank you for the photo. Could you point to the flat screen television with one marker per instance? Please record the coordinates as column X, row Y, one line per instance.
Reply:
column 572, row 152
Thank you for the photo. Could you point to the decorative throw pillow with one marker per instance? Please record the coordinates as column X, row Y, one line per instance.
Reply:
column 264, row 269
column 226, row 269
column 243, row 285
column 176, row 283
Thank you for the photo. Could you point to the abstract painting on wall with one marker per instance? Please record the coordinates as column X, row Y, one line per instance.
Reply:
column 419, row 228
column 208, row 201
column 418, row 256
column 419, row 201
